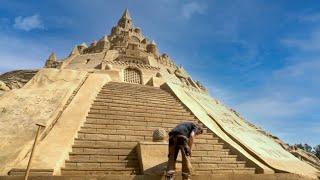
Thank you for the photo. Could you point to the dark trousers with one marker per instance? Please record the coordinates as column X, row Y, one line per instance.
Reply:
column 179, row 143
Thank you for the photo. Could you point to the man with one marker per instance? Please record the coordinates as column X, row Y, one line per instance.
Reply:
column 181, row 138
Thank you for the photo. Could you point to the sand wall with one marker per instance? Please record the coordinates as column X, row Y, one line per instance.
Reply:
column 39, row 101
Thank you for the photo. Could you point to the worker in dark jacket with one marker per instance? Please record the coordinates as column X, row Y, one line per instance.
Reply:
column 181, row 138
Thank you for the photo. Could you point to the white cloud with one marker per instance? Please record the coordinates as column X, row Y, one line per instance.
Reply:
column 309, row 40
column 289, row 92
column 192, row 8
column 4, row 23
column 310, row 44
column 28, row 23
column 304, row 69
column 30, row 53
column 304, row 62
column 272, row 107
column 288, row 100
column 310, row 18
column 316, row 127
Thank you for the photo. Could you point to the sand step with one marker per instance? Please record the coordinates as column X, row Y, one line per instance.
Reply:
column 120, row 137
column 142, row 88
column 118, row 144
column 131, row 111
column 136, row 96
column 219, row 164
column 112, row 152
column 127, row 125
column 139, row 100
column 138, row 121
column 103, row 128
column 195, row 165
column 96, row 158
column 125, row 151
column 138, row 108
column 33, row 172
column 115, row 159
column 103, row 157
column 146, row 130
column 104, row 144
column 227, row 158
column 131, row 87
column 165, row 126
column 102, row 104
column 98, row 171
column 70, row 164
column 114, row 138
column 213, row 140
column 145, row 115
column 142, row 103
column 225, row 170
column 200, row 147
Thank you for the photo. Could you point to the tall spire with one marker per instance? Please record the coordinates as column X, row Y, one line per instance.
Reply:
column 126, row 14
column 52, row 57
column 75, row 51
column 125, row 20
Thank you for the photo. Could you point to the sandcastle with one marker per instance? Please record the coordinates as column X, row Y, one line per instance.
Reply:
column 101, row 105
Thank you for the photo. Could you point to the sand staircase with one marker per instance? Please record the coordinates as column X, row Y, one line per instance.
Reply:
column 124, row 114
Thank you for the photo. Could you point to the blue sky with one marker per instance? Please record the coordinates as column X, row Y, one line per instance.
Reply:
column 259, row 57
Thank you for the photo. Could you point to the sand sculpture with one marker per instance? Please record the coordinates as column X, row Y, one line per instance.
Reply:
column 102, row 104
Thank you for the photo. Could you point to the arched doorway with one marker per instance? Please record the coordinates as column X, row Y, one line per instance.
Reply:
column 132, row 75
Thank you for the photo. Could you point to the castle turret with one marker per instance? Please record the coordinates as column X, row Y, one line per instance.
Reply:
column 152, row 48
column 52, row 57
column 103, row 44
column 137, row 30
column 75, row 51
column 82, row 47
column 93, row 44
column 52, row 62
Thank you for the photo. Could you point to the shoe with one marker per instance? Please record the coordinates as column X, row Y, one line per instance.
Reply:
column 170, row 175
column 185, row 176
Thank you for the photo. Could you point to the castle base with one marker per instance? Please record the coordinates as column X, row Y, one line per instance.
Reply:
column 278, row 176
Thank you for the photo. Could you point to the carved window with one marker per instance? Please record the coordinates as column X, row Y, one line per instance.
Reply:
column 132, row 76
